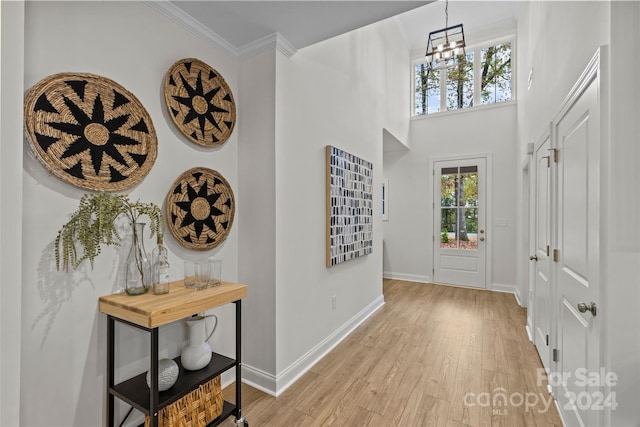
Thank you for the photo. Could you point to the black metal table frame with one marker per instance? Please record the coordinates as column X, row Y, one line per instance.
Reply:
column 154, row 393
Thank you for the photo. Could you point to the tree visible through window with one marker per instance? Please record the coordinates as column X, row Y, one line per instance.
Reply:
column 496, row 74
column 460, row 82
column 494, row 67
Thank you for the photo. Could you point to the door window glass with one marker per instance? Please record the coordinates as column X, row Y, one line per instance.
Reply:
column 459, row 208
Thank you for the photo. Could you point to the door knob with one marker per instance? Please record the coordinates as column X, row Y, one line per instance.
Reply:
column 482, row 239
column 583, row 308
column 533, row 258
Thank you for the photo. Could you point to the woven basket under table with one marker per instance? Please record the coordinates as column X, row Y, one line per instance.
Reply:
column 195, row 409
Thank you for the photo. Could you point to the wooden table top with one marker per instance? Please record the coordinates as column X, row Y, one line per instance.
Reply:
column 149, row 310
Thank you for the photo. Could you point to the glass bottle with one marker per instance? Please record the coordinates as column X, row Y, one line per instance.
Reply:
column 137, row 271
column 160, row 268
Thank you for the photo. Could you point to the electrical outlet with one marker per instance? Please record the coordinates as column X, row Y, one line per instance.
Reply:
column 333, row 302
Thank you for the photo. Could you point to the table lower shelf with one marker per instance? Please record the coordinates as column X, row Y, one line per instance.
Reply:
column 228, row 410
column 136, row 392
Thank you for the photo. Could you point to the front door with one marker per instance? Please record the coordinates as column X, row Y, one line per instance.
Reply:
column 577, row 261
column 459, row 241
column 542, row 305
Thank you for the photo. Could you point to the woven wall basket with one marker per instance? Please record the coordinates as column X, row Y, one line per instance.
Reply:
column 89, row 131
column 200, row 102
column 199, row 208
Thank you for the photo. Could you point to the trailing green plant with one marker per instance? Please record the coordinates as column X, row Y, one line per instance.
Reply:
column 94, row 224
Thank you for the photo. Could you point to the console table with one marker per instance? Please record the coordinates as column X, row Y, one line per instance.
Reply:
column 148, row 312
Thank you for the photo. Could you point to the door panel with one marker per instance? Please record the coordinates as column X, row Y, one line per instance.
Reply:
column 460, row 235
column 542, row 243
column 577, row 269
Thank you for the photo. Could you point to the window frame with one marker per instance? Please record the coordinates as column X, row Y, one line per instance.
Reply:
column 477, row 96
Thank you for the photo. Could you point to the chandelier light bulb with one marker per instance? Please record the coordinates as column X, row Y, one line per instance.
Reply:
column 453, row 44
column 440, row 47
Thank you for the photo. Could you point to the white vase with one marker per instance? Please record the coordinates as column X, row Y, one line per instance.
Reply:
column 197, row 354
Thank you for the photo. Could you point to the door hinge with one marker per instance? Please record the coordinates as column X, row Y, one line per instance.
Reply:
column 548, row 162
column 547, row 250
column 555, row 154
column 555, row 356
column 555, row 255
column 547, row 339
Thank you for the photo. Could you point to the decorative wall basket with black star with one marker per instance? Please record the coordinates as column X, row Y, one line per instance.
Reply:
column 200, row 102
column 89, row 131
column 200, row 209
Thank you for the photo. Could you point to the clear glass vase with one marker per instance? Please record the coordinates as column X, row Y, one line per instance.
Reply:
column 137, row 269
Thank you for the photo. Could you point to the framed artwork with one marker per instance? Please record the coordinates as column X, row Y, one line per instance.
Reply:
column 349, row 206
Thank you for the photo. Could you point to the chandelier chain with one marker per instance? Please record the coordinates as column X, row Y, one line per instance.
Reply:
column 446, row 13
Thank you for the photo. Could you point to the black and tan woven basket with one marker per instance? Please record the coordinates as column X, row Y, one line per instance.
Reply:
column 199, row 208
column 200, row 102
column 195, row 409
column 89, row 131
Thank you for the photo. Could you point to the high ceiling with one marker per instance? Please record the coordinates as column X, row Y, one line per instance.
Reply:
column 303, row 23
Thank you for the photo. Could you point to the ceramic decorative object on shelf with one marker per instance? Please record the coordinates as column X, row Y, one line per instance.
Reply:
column 168, row 371
column 197, row 354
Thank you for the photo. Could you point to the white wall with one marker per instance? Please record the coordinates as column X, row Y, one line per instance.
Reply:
column 334, row 93
column 11, row 83
column 408, row 234
column 63, row 334
column 621, row 337
column 257, row 216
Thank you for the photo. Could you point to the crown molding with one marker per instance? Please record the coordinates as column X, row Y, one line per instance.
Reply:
column 265, row 44
column 180, row 17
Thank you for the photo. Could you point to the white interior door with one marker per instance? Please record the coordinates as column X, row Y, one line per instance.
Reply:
column 459, row 241
column 541, row 261
column 577, row 262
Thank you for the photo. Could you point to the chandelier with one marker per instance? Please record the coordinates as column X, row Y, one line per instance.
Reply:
column 445, row 46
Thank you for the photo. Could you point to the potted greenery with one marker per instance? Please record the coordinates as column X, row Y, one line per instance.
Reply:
column 94, row 224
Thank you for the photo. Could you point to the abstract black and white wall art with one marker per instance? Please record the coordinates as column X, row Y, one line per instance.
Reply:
column 349, row 206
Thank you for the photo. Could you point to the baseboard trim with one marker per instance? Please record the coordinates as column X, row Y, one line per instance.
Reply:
column 259, row 379
column 509, row 289
column 529, row 333
column 276, row 385
column 408, row 277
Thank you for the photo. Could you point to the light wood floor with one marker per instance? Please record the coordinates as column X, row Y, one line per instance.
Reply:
column 414, row 362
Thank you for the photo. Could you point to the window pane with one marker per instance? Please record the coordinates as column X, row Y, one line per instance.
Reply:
column 468, row 229
column 427, row 96
column 460, row 82
column 449, row 219
column 496, row 74
column 448, row 186
column 469, row 191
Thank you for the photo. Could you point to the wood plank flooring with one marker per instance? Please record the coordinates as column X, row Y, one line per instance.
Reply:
column 432, row 356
